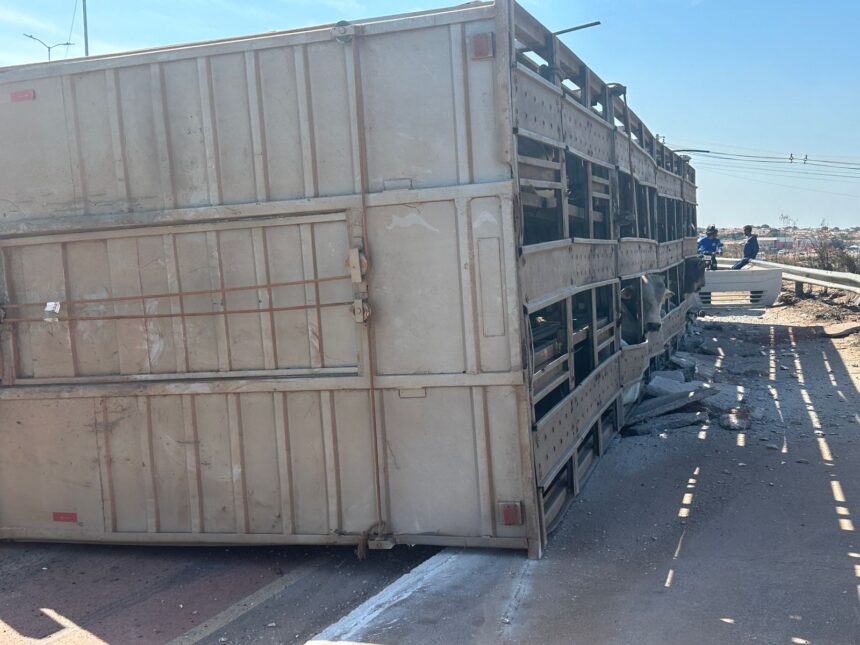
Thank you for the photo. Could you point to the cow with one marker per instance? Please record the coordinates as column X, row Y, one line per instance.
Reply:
column 694, row 274
column 654, row 293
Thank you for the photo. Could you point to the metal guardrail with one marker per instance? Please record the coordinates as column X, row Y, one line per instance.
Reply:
column 806, row 275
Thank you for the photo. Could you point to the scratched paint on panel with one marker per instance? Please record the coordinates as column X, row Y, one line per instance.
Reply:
column 307, row 463
column 185, row 133
column 355, row 460
column 198, row 271
column 284, row 253
column 331, row 246
column 38, row 277
column 49, row 458
column 131, row 337
column 123, row 424
column 237, row 263
column 138, row 130
column 230, row 103
column 169, row 467
column 89, row 279
column 260, row 451
column 38, row 178
column 331, row 118
column 485, row 145
column 96, row 148
column 216, row 464
column 281, row 127
column 408, row 320
column 422, row 433
column 160, row 338
column 417, row 141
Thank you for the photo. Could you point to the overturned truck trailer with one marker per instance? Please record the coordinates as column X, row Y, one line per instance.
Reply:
column 351, row 283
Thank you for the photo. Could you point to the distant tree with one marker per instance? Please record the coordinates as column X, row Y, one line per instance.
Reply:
column 787, row 222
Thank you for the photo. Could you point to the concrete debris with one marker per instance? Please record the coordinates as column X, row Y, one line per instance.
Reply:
column 711, row 347
column 737, row 421
column 651, row 408
column 691, row 343
column 658, row 386
column 667, row 422
column 685, row 362
column 726, row 398
column 702, row 365
column 675, row 375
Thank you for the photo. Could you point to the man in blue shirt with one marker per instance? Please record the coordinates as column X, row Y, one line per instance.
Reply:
column 750, row 248
column 709, row 244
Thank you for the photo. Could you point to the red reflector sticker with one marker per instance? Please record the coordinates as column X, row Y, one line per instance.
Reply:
column 482, row 45
column 66, row 517
column 22, row 95
column 512, row 513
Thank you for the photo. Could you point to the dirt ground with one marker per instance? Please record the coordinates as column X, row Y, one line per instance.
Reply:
column 693, row 535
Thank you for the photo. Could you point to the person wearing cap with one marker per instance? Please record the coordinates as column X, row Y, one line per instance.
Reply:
column 709, row 244
column 750, row 248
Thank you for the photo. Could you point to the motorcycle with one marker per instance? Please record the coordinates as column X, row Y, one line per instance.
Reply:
column 711, row 259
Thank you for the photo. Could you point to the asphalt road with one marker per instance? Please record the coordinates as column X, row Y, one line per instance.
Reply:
column 697, row 535
column 151, row 595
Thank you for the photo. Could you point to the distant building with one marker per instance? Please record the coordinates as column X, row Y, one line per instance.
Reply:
column 774, row 244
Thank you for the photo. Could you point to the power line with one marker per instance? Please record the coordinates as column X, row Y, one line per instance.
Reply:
column 71, row 27
column 789, row 158
column 772, row 183
column 785, row 171
column 854, row 159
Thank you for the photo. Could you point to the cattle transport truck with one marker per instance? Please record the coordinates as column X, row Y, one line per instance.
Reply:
column 348, row 284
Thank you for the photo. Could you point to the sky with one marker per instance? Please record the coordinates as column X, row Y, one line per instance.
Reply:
column 769, row 78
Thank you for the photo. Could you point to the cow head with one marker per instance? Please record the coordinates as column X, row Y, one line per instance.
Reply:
column 694, row 274
column 654, row 294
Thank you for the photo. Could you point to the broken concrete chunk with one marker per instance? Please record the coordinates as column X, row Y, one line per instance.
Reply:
column 674, row 375
column 657, row 406
column 702, row 365
column 726, row 397
column 685, row 362
column 658, row 386
column 711, row 347
column 667, row 422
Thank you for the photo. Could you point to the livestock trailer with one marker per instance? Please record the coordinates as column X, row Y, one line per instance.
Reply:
column 355, row 283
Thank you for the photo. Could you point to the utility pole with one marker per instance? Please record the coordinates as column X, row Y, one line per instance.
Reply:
column 46, row 45
column 86, row 32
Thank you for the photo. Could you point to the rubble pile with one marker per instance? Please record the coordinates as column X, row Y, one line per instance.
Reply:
column 697, row 390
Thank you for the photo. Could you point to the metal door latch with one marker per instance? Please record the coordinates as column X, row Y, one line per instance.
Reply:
column 356, row 262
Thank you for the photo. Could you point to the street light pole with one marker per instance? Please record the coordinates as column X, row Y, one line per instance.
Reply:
column 86, row 32
column 46, row 45
column 577, row 28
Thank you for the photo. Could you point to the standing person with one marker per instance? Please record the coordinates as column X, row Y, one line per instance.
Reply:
column 750, row 248
column 709, row 244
